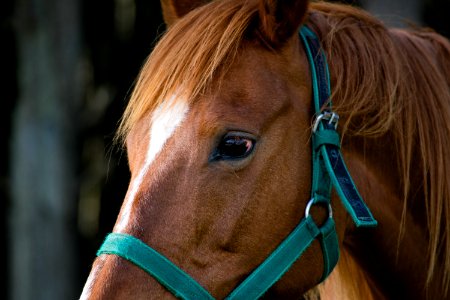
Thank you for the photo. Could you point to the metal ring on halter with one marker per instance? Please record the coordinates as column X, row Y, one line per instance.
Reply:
column 331, row 117
column 311, row 203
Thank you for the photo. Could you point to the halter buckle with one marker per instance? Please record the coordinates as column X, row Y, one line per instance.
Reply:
column 330, row 116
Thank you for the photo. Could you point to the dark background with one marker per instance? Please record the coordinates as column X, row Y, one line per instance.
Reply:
column 107, row 41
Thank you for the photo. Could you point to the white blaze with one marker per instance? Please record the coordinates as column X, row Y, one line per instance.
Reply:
column 164, row 121
column 90, row 282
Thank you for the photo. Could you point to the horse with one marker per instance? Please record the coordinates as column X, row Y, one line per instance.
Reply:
column 225, row 139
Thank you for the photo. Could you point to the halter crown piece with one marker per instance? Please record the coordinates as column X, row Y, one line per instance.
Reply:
column 328, row 170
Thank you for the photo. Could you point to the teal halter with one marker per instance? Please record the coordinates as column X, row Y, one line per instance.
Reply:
column 328, row 170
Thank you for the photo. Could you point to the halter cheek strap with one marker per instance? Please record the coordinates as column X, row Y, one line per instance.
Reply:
column 328, row 163
column 328, row 170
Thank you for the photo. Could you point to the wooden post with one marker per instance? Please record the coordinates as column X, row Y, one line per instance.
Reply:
column 43, row 181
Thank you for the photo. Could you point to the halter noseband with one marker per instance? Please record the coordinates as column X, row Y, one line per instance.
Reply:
column 328, row 170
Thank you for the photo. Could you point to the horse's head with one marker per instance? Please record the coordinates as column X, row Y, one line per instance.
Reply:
column 218, row 138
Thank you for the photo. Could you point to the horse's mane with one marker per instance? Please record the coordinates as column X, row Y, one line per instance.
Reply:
column 395, row 81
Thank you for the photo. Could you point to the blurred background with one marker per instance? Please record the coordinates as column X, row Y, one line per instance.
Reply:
column 67, row 68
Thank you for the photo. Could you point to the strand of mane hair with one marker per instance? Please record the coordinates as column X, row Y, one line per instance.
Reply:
column 397, row 82
column 184, row 68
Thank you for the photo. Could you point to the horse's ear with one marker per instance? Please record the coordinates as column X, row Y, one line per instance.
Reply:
column 175, row 9
column 280, row 19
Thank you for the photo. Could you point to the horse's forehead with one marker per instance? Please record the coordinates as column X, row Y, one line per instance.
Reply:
column 258, row 84
column 254, row 87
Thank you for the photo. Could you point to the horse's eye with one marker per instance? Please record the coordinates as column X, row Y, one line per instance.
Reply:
column 234, row 146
